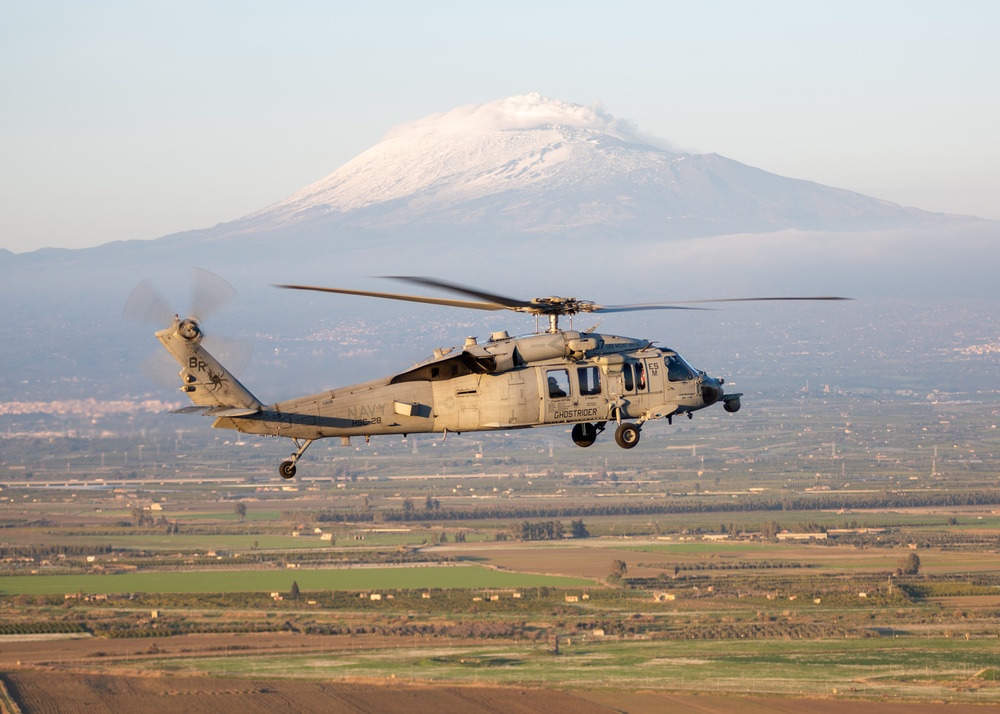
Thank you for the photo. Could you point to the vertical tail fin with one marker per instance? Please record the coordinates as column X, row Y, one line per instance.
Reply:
column 204, row 379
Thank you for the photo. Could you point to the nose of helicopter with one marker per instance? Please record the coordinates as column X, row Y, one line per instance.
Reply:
column 711, row 390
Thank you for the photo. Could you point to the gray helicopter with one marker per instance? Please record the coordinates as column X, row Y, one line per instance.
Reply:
column 549, row 378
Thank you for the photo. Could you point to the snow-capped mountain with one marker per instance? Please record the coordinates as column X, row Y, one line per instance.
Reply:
column 533, row 164
column 526, row 196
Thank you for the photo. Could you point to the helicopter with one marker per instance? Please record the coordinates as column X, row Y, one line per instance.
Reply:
column 553, row 377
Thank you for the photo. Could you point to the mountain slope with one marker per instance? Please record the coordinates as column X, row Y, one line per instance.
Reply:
column 531, row 164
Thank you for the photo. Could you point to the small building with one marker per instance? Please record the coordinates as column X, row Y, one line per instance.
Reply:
column 801, row 536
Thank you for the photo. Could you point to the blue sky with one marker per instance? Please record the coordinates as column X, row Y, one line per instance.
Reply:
column 123, row 120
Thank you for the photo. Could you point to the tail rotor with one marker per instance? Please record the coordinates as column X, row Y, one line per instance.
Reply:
column 209, row 294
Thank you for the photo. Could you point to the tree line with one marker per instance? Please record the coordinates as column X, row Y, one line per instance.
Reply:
column 884, row 499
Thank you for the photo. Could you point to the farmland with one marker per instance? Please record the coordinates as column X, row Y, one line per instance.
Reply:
column 762, row 563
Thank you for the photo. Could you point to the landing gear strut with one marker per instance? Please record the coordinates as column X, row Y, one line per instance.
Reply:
column 287, row 468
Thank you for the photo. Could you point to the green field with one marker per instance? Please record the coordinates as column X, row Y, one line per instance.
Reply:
column 232, row 542
column 915, row 668
column 357, row 578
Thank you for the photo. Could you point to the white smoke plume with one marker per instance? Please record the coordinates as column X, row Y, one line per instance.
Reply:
column 526, row 111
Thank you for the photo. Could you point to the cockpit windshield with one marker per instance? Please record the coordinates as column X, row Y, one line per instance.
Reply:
column 678, row 370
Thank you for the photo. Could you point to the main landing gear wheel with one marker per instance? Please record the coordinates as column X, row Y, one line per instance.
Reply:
column 627, row 435
column 584, row 434
column 287, row 469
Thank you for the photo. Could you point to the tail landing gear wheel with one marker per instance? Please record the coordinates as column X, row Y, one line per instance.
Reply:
column 584, row 434
column 287, row 468
column 627, row 435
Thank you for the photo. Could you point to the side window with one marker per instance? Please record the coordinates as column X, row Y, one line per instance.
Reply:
column 558, row 380
column 590, row 380
column 640, row 377
column 629, row 382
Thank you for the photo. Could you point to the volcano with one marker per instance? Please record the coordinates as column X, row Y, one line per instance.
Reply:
column 533, row 165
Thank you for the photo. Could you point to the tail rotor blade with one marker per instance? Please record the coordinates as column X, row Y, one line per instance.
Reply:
column 145, row 304
column 233, row 353
column 161, row 369
column 209, row 293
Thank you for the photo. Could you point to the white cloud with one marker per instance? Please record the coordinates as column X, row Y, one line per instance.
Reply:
column 526, row 111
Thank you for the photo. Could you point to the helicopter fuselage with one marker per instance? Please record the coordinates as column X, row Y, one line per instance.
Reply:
column 506, row 382
column 559, row 377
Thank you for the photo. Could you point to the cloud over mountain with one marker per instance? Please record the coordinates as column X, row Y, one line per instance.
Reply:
column 526, row 111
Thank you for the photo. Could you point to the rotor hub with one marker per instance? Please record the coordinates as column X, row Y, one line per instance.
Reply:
column 555, row 305
column 189, row 329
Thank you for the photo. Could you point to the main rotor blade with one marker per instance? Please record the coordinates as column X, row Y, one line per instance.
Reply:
column 507, row 302
column 679, row 304
column 395, row 296
column 638, row 307
column 763, row 299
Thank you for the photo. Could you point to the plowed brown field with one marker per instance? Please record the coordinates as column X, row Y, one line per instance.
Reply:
column 46, row 692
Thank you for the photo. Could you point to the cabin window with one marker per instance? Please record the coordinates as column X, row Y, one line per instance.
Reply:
column 558, row 380
column 640, row 377
column 590, row 380
column 678, row 370
column 629, row 382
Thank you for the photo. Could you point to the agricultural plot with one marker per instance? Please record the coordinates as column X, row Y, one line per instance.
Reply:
column 231, row 581
column 68, row 693
column 929, row 669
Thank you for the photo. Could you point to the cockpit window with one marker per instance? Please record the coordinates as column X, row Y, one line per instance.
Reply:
column 678, row 370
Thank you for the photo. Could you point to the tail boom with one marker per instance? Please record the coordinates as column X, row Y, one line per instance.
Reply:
column 203, row 378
